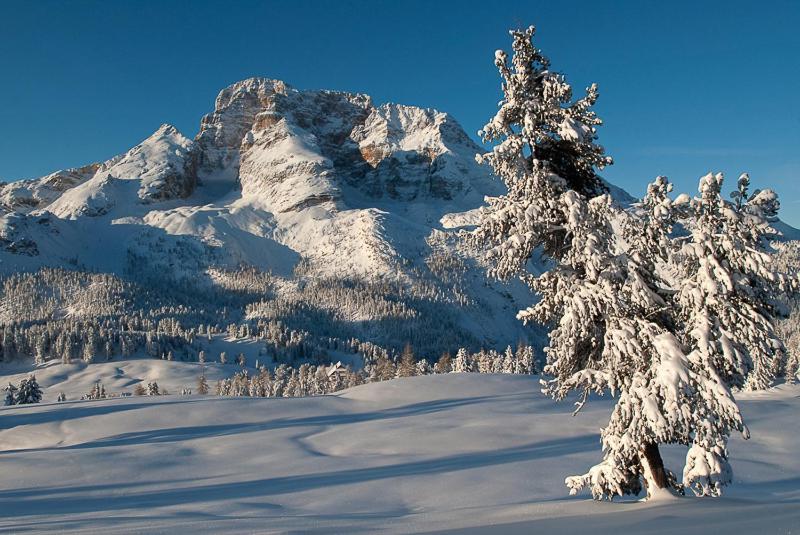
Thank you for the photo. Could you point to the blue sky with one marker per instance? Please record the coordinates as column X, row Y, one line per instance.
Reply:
column 686, row 87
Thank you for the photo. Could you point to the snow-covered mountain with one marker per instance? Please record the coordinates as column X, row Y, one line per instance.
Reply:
column 307, row 185
column 275, row 174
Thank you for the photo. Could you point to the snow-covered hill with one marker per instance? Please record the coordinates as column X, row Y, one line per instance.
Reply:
column 461, row 453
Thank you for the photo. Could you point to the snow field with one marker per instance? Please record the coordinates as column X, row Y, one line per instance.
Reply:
column 465, row 452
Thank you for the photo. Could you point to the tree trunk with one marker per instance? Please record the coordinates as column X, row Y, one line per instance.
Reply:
column 655, row 476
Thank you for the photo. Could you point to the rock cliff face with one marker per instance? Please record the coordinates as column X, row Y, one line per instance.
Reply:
column 274, row 175
column 296, row 149
column 287, row 149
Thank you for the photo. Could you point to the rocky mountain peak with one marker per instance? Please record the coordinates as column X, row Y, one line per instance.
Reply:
column 159, row 168
column 294, row 149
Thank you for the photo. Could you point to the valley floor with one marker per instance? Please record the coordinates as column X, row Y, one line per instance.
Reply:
column 466, row 453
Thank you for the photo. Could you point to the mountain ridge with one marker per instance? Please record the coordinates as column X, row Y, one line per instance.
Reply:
column 318, row 188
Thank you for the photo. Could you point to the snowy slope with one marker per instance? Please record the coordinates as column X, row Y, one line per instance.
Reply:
column 159, row 168
column 463, row 452
column 120, row 377
column 789, row 232
column 27, row 195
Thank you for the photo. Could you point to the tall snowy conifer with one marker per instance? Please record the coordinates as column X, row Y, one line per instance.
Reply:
column 29, row 391
column 11, row 395
column 610, row 310
column 545, row 147
column 728, row 289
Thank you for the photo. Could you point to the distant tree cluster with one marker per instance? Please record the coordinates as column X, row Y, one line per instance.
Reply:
column 98, row 391
column 310, row 380
column 59, row 314
column 28, row 391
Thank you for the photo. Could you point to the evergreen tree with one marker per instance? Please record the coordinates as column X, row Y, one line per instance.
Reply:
column 29, row 391
column 202, row 384
column 90, row 346
column 224, row 387
column 444, row 364
column 423, row 367
column 407, row 367
column 545, row 147
column 40, row 352
column 728, row 287
column 613, row 324
column 462, row 363
column 98, row 391
column 11, row 395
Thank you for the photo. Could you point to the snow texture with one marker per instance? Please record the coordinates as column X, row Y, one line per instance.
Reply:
column 454, row 453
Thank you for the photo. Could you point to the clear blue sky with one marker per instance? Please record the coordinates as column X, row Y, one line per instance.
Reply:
column 686, row 87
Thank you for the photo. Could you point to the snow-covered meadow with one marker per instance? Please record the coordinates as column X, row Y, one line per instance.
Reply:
column 461, row 452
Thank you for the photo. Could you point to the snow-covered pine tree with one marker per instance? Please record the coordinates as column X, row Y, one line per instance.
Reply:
column 423, row 367
column 152, row 389
column 616, row 331
column 508, row 356
column 11, row 395
column 545, row 146
column 728, row 290
column 202, row 384
column 484, row 362
column 29, row 391
column 224, row 387
column 40, row 352
column 790, row 329
column 612, row 329
column 407, row 367
column 462, row 363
